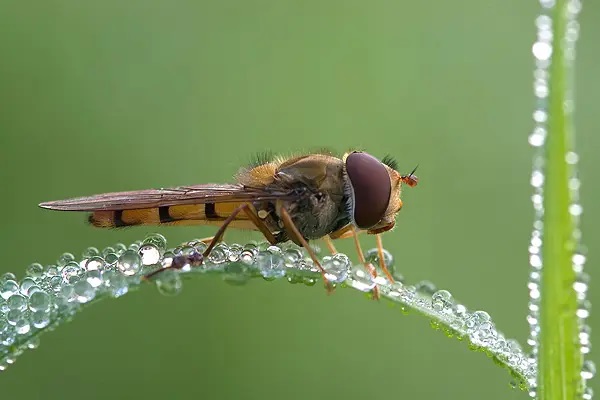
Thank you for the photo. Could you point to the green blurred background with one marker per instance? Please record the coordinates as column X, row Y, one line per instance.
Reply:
column 113, row 95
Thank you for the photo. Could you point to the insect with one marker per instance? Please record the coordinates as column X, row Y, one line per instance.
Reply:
column 302, row 198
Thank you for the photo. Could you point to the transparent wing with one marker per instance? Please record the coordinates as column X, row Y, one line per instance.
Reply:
column 196, row 194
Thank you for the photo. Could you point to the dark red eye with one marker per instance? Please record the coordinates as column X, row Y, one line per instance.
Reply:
column 371, row 186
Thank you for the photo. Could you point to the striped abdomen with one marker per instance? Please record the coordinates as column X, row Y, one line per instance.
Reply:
column 187, row 214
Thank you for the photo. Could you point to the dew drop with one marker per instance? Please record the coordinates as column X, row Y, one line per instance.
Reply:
column 84, row 291
column 270, row 264
column 22, row 326
column 90, row 252
column 26, row 285
column 542, row 50
column 71, row 272
column 17, row 302
column 39, row 301
column 169, row 283
column 247, row 257
column 94, row 278
column 588, row 370
column 8, row 288
column 116, row 283
column 94, row 263
column 12, row 316
column 120, row 248
column 157, row 240
column 149, row 253
column 219, row 254
column 361, row 279
column 33, row 343
column 236, row 273
column 336, row 267
column 40, row 319
column 129, row 263
column 35, row 270
column 442, row 301
column 111, row 258
column 64, row 259
column 426, row 287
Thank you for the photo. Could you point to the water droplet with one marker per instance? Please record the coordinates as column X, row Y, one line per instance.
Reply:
column 8, row 288
column 169, row 283
column 94, row 264
column 71, row 272
column 17, row 302
column 68, row 292
column 372, row 256
column 106, row 251
column 116, row 283
column 157, row 240
column 588, row 370
column 84, row 291
column 270, row 264
column 150, row 255
column 12, row 316
column 542, row 50
column 40, row 319
column 426, row 287
column 94, row 278
column 33, row 343
column 120, row 248
column 361, row 279
column 247, row 257
column 292, row 256
column 35, row 270
column 129, row 263
column 39, row 301
column 64, row 259
column 336, row 267
column 111, row 258
column 236, row 273
column 219, row 254
column 22, row 326
column 442, row 301
column 26, row 285
column 52, row 270
column 90, row 252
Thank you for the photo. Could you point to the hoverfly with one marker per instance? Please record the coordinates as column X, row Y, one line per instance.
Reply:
column 308, row 197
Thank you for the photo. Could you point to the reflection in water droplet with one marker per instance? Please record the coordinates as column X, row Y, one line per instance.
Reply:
column 219, row 254
column 84, row 291
column 336, row 267
column 116, row 283
column 35, row 270
column 588, row 370
column 442, row 301
column 8, row 288
column 157, row 240
column 39, row 301
column 270, row 264
column 169, row 283
column 129, row 262
column 361, row 278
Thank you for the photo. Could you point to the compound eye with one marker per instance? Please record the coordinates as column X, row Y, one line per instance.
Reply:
column 371, row 186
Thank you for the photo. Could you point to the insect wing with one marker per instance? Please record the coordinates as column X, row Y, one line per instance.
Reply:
column 196, row 194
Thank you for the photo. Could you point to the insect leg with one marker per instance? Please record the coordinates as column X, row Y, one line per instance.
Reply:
column 330, row 245
column 219, row 235
column 197, row 258
column 382, row 265
column 289, row 224
column 260, row 225
column 367, row 265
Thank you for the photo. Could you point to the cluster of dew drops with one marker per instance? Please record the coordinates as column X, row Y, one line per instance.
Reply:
column 542, row 51
column 52, row 294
